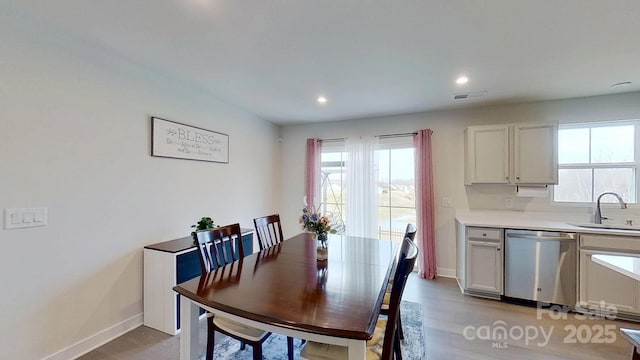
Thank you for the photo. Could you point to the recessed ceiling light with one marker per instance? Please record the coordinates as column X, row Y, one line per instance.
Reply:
column 620, row 84
column 462, row 80
column 321, row 99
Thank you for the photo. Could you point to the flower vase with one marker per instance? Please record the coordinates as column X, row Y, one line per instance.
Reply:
column 322, row 251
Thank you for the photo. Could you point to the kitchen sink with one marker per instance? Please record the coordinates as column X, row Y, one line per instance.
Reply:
column 607, row 226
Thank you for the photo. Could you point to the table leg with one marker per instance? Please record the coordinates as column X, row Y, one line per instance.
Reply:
column 357, row 349
column 189, row 315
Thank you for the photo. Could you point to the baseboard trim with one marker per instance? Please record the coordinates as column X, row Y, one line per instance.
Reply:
column 447, row 273
column 96, row 340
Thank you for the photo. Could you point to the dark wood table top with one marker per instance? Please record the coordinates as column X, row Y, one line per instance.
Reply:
column 286, row 286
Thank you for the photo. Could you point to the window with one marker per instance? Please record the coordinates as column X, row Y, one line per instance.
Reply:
column 598, row 157
column 332, row 184
column 396, row 185
column 396, row 191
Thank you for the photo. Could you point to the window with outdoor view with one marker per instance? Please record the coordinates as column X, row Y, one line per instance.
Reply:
column 395, row 186
column 598, row 157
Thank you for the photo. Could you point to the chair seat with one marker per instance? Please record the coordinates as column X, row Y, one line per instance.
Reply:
column 385, row 301
column 318, row 351
column 240, row 330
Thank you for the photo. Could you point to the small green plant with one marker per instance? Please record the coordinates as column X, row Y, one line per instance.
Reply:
column 204, row 224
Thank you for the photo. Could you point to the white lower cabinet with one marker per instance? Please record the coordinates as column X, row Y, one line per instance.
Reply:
column 601, row 290
column 602, row 287
column 485, row 266
column 484, row 261
column 605, row 289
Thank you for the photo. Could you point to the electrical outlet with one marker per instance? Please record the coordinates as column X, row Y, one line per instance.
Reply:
column 508, row 203
column 446, row 201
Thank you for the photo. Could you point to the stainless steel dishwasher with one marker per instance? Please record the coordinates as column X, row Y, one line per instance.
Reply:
column 541, row 266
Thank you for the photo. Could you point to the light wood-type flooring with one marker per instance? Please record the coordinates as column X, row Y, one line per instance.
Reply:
column 447, row 317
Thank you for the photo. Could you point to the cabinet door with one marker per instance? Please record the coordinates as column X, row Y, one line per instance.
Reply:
column 484, row 266
column 487, row 154
column 599, row 284
column 535, row 150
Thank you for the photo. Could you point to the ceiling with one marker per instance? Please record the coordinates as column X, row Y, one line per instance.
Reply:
column 273, row 58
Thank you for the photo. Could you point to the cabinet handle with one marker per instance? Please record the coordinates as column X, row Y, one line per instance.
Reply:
column 506, row 178
column 517, row 177
column 484, row 234
column 497, row 249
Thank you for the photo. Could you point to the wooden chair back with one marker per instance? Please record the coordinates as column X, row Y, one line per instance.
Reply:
column 406, row 260
column 410, row 232
column 220, row 246
column 268, row 230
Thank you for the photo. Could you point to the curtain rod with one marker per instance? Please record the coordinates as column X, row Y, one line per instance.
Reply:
column 397, row 135
column 378, row 136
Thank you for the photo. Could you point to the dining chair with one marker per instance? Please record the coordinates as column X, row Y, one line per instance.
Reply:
column 269, row 230
column 384, row 343
column 216, row 248
column 632, row 336
column 409, row 233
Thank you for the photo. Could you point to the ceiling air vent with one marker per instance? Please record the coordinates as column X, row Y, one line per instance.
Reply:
column 473, row 94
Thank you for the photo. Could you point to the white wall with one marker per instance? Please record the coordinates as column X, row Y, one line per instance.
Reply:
column 448, row 127
column 75, row 138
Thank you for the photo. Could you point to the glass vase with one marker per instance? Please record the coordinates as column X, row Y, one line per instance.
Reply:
column 322, row 251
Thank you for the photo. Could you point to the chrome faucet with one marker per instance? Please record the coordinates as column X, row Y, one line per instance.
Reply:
column 598, row 218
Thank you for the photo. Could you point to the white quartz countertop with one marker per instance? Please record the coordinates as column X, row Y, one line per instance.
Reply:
column 625, row 265
column 532, row 221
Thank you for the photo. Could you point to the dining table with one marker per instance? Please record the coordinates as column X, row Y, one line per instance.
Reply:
column 284, row 289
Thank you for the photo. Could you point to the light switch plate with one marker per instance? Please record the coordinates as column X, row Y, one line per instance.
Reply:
column 25, row 217
column 446, row 201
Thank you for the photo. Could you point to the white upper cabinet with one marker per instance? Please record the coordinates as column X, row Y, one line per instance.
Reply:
column 487, row 154
column 535, row 153
column 522, row 154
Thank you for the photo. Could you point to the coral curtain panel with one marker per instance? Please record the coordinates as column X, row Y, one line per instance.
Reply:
column 312, row 173
column 425, row 205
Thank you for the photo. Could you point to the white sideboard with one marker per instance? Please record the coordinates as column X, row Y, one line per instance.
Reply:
column 165, row 265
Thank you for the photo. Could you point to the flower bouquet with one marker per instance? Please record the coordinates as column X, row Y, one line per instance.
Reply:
column 316, row 223
column 320, row 226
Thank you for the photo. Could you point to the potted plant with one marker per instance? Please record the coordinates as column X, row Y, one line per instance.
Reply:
column 204, row 224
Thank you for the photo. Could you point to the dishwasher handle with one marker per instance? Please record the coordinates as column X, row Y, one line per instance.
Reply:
column 568, row 237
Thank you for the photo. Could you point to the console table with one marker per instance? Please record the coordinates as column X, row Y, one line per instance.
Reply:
column 167, row 264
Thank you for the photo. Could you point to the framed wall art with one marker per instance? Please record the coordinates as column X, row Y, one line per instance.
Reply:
column 180, row 141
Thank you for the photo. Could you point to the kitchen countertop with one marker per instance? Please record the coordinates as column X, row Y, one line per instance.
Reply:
column 532, row 221
column 625, row 265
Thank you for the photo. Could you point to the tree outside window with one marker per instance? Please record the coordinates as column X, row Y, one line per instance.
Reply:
column 595, row 158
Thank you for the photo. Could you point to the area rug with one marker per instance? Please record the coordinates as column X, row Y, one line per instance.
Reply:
column 275, row 347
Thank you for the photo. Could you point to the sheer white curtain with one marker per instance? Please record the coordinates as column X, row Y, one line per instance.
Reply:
column 361, row 187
